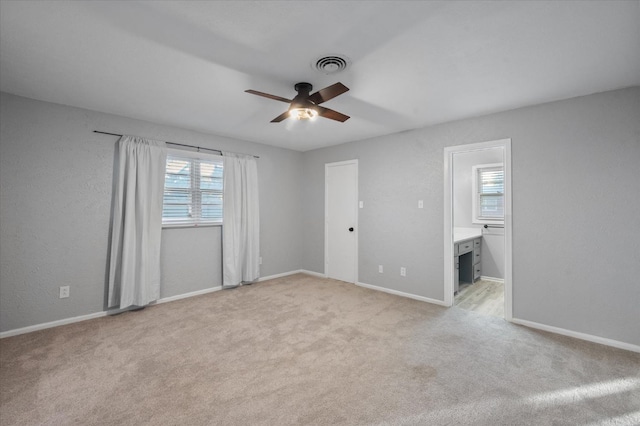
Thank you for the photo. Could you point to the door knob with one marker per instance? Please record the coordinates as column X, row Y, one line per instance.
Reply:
column 350, row 229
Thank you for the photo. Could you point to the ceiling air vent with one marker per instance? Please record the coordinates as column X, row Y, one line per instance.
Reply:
column 331, row 64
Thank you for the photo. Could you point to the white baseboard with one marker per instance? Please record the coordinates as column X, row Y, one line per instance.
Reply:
column 51, row 324
column 80, row 318
column 285, row 274
column 497, row 280
column 186, row 295
column 372, row 287
column 578, row 335
column 314, row 274
column 531, row 324
column 273, row 277
column 400, row 293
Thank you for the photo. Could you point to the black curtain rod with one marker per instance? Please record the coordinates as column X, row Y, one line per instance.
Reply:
column 170, row 143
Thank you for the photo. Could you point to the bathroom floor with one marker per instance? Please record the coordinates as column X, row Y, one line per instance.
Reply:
column 484, row 297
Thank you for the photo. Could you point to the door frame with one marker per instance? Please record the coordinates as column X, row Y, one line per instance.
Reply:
column 326, row 216
column 449, row 267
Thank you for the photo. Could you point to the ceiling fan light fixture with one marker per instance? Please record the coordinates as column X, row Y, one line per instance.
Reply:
column 303, row 113
column 306, row 105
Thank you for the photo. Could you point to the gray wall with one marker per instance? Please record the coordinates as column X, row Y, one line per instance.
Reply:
column 493, row 238
column 463, row 183
column 55, row 200
column 575, row 260
column 190, row 260
column 576, row 203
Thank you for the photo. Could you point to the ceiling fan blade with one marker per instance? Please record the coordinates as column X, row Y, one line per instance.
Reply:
column 281, row 117
column 323, row 95
column 331, row 114
column 266, row 95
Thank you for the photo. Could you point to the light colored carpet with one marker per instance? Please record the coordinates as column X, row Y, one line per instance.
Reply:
column 310, row 351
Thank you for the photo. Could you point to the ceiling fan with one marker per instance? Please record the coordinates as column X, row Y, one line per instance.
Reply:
column 307, row 106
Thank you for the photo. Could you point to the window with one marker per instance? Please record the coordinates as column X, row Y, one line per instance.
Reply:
column 192, row 190
column 488, row 193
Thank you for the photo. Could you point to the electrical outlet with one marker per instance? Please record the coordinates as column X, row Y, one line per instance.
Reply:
column 380, row 269
column 64, row 291
column 403, row 271
column 260, row 260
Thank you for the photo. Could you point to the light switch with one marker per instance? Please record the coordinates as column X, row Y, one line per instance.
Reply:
column 420, row 204
column 361, row 204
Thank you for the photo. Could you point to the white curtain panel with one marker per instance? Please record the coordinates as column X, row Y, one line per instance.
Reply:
column 241, row 220
column 134, row 270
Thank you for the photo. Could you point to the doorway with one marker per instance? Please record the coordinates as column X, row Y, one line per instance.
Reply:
column 477, row 246
column 341, row 221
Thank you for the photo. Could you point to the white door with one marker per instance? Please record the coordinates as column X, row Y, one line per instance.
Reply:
column 341, row 220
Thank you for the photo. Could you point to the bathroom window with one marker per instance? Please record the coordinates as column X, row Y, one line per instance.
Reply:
column 488, row 193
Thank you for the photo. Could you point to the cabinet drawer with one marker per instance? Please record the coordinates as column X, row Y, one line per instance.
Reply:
column 464, row 247
column 477, row 243
column 477, row 271
column 476, row 255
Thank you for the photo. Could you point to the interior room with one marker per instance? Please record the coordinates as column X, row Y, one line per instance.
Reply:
column 266, row 212
column 478, row 220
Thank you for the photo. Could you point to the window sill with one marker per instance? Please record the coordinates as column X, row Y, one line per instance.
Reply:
column 189, row 225
column 487, row 222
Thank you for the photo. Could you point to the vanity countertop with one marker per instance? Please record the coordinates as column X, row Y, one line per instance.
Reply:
column 463, row 234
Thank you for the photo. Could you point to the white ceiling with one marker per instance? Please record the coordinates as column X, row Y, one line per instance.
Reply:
column 414, row 63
